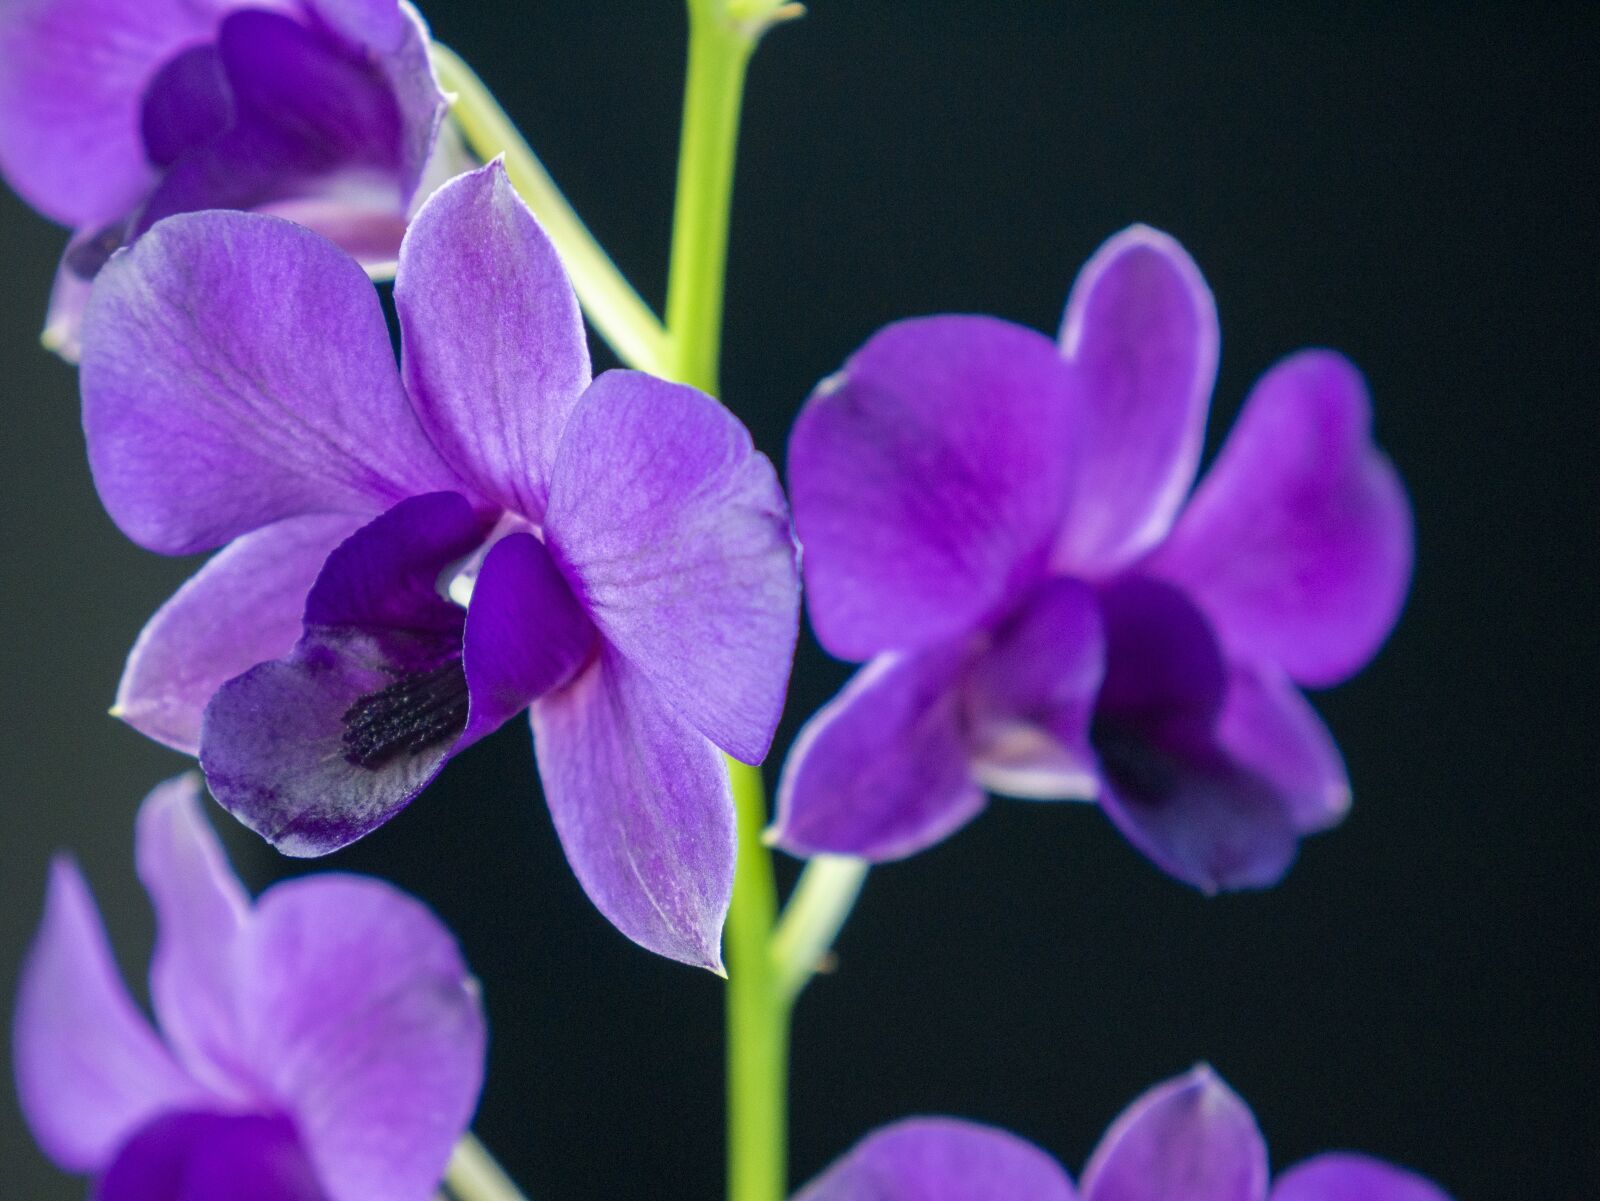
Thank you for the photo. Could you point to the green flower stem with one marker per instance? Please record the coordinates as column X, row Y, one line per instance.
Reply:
column 758, row 1012
column 618, row 313
column 720, row 44
column 473, row 1175
column 811, row 920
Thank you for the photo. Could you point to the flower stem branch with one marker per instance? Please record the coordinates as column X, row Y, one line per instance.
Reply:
column 473, row 1174
column 811, row 920
column 619, row 314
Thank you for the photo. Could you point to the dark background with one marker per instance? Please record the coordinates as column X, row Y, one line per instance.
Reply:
column 1415, row 185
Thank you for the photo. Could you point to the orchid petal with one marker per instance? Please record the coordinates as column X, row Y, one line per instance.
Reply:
column 1190, row 1137
column 393, row 32
column 211, row 1157
column 1269, row 728
column 926, row 478
column 90, row 1070
column 642, row 805
column 1032, row 695
column 368, row 1028
column 237, row 371
column 941, row 1159
column 201, row 908
column 72, row 75
column 881, row 771
column 1298, row 542
column 1142, row 327
column 525, row 633
column 1340, row 1176
column 493, row 342
column 318, row 749
column 242, row 608
column 676, row 537
column 1168, row 784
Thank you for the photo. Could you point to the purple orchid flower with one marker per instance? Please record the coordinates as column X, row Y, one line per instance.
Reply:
column 626, row 551
column 999, row 524
column 1188, row 1139
column 117, row 113
column 323, row 1044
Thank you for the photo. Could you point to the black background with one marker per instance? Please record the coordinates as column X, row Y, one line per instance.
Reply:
column 1415, row 185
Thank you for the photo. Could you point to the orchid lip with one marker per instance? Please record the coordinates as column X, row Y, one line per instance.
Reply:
column 419, row 710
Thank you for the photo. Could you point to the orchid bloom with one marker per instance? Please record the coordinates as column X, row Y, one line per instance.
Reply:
column 1003, row 527
column 1188, row 1139
column 414, row 556
column 323, row 1043
column 117, row 113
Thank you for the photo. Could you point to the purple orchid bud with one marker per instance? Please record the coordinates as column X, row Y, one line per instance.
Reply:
column 1188, row 1139
column 1004, row 528
column 325, row 1043
column 619, row 555
column 117, row 113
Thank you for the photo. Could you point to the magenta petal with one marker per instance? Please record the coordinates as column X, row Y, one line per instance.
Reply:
column 72, row 74
column 201, row 908
column 1298, row 542
column 211, row 1157
column 1032, row 696
column 494, row 348
column 1142, row 327
column 941, row 1159
column 1191, row 1137
column 237, row 371
column 1269, row 728
column 89, row 1068
column 1341, row 1176
column 365, row 1023
column 318, row 749
column 525, row 633
column 926, row 477
column 642, row 805
column 242, row 608
column 881, row 771
column 676, row 537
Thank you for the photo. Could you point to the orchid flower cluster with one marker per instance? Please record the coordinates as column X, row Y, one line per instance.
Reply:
column 413, row 550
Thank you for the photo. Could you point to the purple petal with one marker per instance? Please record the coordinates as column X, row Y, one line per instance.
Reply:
column 525, row 633
column 1341, row 1176
column 397, row 37
column 185, row 105
column 242, row 608
column 1142, row 327
column 1190, row 1137
column 494, row 348
column 298, row 106
column 941, row 1159
column 1270, row 729
column 927, row 477
column 881, row 771
column 642, row 805
column 201, row 908
column 89, row 1068
column 1032, row 695
column 1298, row 542
column 676, row 537
column 1169, row 785
column 72, row 76
column 316, row 750
column 237, row 371
column 364, row 1021
column 212, row 1157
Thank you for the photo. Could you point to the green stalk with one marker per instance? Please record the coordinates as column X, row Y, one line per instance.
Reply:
column 617, row 312
column 720, row 45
